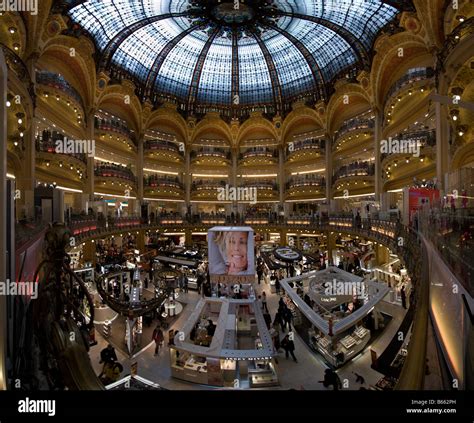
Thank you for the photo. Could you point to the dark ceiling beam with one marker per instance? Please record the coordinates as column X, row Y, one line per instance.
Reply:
column 310, row 60
column 359, row 48
column 194, row 86
column 276, row 85
column 406, row 5
column 114, row 43
column 161, row 57
column 235, row 70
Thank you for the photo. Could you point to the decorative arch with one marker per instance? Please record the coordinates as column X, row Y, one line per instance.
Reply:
column 114, row 99
column 349, row 100
column 212, row 125
column 390, row 62
column 170, row 118
column 253, row 124
column 299, row 115
column 78, row 70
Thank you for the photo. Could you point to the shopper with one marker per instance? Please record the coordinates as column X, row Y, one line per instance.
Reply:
column 288, row 317
column 259, row 273
column 108, row 355
column 279, row 321
column 264, row 302
column 158, row 337
column 404, row 297
column 185, row 283
column 289, row 347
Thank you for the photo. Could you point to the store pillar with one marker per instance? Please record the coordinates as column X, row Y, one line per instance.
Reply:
column 281, row 176
column 141, row 241
column 329, row 170
column 187, row 178
column 26, row 182
column 90, row 179
column 331, row 247
column 283, row 237
column 188, row 237
column 3, row 220
column 88, row 251
column 377, row 154
column 382, row 254
column 442, row 144
column 140, row 166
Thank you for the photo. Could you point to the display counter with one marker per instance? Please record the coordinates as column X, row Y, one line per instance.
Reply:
column 239, row 348
column 327, row 317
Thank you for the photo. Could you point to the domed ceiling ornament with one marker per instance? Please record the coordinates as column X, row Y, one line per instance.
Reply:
column 205, row 54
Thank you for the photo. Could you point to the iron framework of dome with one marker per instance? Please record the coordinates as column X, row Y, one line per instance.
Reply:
column 234, row 57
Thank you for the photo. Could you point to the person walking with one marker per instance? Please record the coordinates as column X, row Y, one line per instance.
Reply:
column 403, row 297
column 289, row 347
column 108, row 355
column 259, row 273
column 264, row 302
column 288, row 317
column 158, row 337
column 279, row 321
column 185, row 283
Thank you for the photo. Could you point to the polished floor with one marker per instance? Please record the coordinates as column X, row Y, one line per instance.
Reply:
column 305, row 374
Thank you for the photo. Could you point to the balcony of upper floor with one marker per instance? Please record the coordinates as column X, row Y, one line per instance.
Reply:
column 163, row 150
column 114, row 132
column 353, row 143
column 163, row 186
column 358, row 170
column 311, row 185
column 415, row 80
column 265, row 189
column 206, row 189
column 211, row 156
column 305, row 150
column 258, row 156
column 55, row 86
column 112, row 171
column 364, row 124
column 417, row 143
column 49, row 143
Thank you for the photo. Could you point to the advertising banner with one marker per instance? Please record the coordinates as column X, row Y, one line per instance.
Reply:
column 231, row 255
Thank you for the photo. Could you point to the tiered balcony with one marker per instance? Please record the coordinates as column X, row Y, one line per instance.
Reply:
column 363, row 169
column 356, row 124
column 211, row 156
column 266, row 189
column 162, row 149
column 206, row 188
column 305, row 185
column 422, row 139
column 305, row 149
column 155, row 182
column 414, row 78
column 58, row 83
column 46, row 146
column 258, row 156
column 114, row 126
column 110, row 170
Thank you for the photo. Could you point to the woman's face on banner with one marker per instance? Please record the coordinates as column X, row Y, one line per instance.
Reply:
column 236, row 247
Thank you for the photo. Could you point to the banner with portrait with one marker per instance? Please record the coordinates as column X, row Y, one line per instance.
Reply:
column 231, row 255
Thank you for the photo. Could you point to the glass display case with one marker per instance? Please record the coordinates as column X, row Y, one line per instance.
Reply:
column 262, row 373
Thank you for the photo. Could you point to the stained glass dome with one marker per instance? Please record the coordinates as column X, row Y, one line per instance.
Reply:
column 216, row 53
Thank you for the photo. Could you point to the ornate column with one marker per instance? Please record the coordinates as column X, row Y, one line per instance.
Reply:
column 281, row 175
column 90, row 180
column 329, row 170
column 26, row 181
column 140, row 166
column 378, row 161
column 442, row 144
column 187, row 178
column 3, row 220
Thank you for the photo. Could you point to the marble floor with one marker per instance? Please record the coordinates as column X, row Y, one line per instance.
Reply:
column 303, row 375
